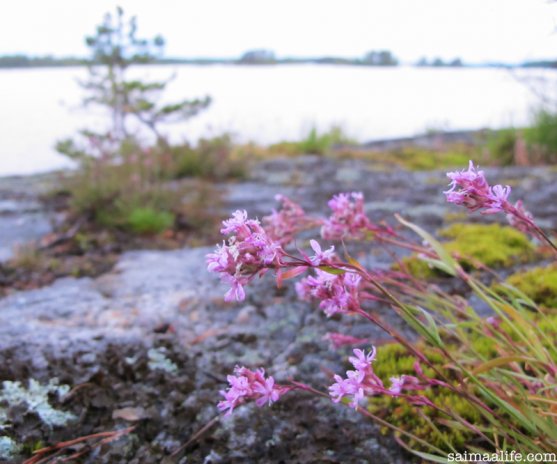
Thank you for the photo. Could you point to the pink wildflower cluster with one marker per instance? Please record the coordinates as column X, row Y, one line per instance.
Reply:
column 336, row 293
column 248, row 385
column 348, row 219
column 284, row 224
column 249, row 251
column 362, row 381
column 470, row 188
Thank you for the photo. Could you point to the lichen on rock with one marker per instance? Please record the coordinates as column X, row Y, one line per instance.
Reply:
column 36, row 397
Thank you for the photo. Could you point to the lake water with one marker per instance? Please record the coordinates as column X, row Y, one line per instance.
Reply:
column 266, row 104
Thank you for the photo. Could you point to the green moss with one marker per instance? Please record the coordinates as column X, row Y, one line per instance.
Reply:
column 490, row 244
column 539, row 284
column 418, row 159
column 393, row 360
column 149, row 221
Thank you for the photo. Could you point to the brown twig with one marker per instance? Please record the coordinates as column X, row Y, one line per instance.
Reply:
column 40, row 456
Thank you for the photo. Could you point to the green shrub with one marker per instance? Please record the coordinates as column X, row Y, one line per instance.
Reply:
column 543, row 135
column 322, row 143
column 501, row 146
column 149, row 221
column 315, row 143
column 213, row 159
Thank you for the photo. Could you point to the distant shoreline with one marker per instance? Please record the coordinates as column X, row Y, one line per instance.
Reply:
column 24, row 62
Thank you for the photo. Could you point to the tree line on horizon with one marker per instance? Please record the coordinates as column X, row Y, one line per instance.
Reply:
column 381, row 58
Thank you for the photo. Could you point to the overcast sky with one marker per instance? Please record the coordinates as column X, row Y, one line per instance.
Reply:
column 475, row 30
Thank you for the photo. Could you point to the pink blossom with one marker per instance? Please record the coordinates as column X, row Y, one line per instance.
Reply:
column 269, row 394
column 237, row 221
column 248, row 252
column 246, row 385
column 236, row 291
column 284, row 224
column 363, row 381
column 321, row 257
column 348, row 219
column 407, row 382
column 396, row 385
column 470, row 189
column 359, row 382
column 336, row 293
column 362, row 361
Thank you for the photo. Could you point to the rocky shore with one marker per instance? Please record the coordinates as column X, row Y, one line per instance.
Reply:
column 148, row 344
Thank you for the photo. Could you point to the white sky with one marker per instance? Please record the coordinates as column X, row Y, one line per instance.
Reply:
column 475, row 30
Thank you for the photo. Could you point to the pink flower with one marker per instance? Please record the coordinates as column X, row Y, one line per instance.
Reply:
column 363, row 381
column 348, row 219
column 284, row 224
column 248, row 385
column 336, row 293
column 358, row 383
column 470, row 189
column 249, row 251
column 321, row 257
column 407, row 382
column 236, row 292
column 269, row 394
column 360, row 360
column 237, row 221
column 396, row 385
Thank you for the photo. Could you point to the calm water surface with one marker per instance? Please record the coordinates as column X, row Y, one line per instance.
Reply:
column 265, row 104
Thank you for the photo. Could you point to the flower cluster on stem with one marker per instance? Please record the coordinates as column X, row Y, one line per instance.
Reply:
column 471, row 189
column 348, row 219
column 249, row 251
column 246, row 385
column 363, row 382
column 336, row 293
column 283, row 224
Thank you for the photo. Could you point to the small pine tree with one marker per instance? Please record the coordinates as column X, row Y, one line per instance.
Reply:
column 115, row 48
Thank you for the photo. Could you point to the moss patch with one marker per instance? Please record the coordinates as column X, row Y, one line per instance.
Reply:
column 490, row 244
column 393, row 360
column 539, row 284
